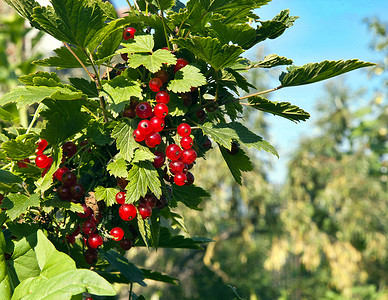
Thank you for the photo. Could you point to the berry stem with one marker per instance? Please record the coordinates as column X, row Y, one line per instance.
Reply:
column 35, row 117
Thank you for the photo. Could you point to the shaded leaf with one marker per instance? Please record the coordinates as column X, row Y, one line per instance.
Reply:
column 7, row 177
column 41, row 78
column 5, row 281
column 191, row 195
column 237, row 163
column 87, row 87
column 157, row 276
column 271, row 61
column 18, row 149
column 64, row 59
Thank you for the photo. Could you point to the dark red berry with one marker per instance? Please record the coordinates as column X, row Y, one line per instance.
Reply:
column 180, row 63
column 173, row 151
column 129, row 113
column 76, row 231
column 161, row 110
column 155, row 84
column 88, row 227
column 77, row 191
column 42, row 161
column 201, row 115
column 143, row 110
column 138, row 136
column 157, row 124
column 120, row 197
column 122, row 182
column 187, row 100
column 126, row 244
column 59, row 173
column 159, row 159
column 70, row 239
column 144, row 210
column 184, row 129
column 188, row 156
column 91, row 256
column 95, row 241
column 186, row 142
column 190, row 178
column 162, row 75
column 127, row 212
column 161, row 202
column 162, row 97
column 64, row 193
column 69, row 179
column 22, row 163
column 129, row 33
column 180, row 179
column 149, row 200
column 87, row 212
column 207, row 144
column 117, row 233
column 234, row 148
column 124, row 56
column 153, row 140
column 69, row 149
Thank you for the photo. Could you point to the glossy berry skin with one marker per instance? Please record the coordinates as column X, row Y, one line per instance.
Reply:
column 173, row 152
column 149, row 200
column 42, row 144
column 177, row 167
column 129, row 113
column 188, row 156
column 186, row 142
column 91, row 256
column 42, row 161
column 22, row 163
column 77, row 191
column 180, row 179
column 88, row 227
column 138, row 136
column 153, row 140
column 95, row 240
column 162, row 97
column 64, row 193
column 184, row 129
column 180, row 63
column 162, row 75
column 190, row 178
column 155, row 84
column 159, row 160
column 120, row 197
column 59, row 173
column 69, row 149
column 117, row 233
column 145, row 127
column 157, row 124
column 126, row 244
column 207, row 144
column 143, row 110
column 70, row 239
column 69, row 179
column 87, row 212
column 144, row 210
column 161, row 110
column 129, row 33
column 127, row 212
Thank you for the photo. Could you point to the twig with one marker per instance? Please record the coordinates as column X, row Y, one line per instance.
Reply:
column 260, row 93
column 35, row 117
column 81, row 63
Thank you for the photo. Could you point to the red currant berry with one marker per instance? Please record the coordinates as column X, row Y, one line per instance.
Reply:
column 87, row 212
column 161, row 202
column 77, row 231
column 184, row 129
column 161, row 110
column 145, row 127
column 42, row 161
column 186, row 142
column 129, row 113
column 144, row 210
column 190, row 178
column 59, row 173
column 162, row 97
column 149, row 200
column 157, row 124
column 129, row 33
column 176, row 167
column 155, row 84
column 201, row 115
column 122, row 182
column 143, row 110
column 138, row 136
column 88, row 227
column 162, row 75
column 64, row 193
column 70, row 239
column 207, row 144
column 159, row 159
column 188, row 156
column 124, row 56
column 180, row 179
column 153, row 140
column 117, row 233
column 69, row 179
column 234, row 148
column 180, row 63
column 42, row 144
column 69, row 149
column 173, row 152
column 77, row 191
column 127, row 212
column 95, row 241
column 126, row 244
column 120, row 197
column 91, row 256
column 22, row 163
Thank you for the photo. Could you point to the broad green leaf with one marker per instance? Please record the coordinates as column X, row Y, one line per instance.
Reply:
column 164, row 4
column 108, row 9
column 99, row 135
column 41, row 78
column 152, row 62
column 143, row 154
column 72, row 21
column 43, row 184
column 211, row 51
column 271, row 61
column 175, row 106
column 191, row 195
column 7, row 177
column 27, row 95
column 108, row 195
column 241, row 34
column 64, row 59
column 144, row 229
column 18, row 149
column 109, row 45
column 89, row 88
column 141, row 43
column 5, row 281
column 157, row 276
column 49, row 205
column 124, row 139
column 21, row 230
column 25, row 9
column 315, row 72
column 16, row 204
column 118, row 168
column 5, row 115
column 237, row 163
column 185, row 78
column 142, row 177
column 283, row 109
column 237, row 79
column 211, row 5
column 127, row 269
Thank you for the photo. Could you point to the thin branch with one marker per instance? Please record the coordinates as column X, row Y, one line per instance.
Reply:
column 35, row 117
column 260, row 93
column 81, row 63
column 137, row 7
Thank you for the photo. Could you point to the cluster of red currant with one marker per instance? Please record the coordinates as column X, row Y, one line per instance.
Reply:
column 42, row 161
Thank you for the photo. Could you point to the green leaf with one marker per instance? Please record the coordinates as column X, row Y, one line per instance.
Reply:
column 124, row 139
column 16, row 204
column 9, row 178
column 43, row 184
column 41, row 78
column 271, row 61
column 191, row 195
column 121, row 264
column 152, row 62
column 118, row 168
column 49, row 205
column 144, row 229
column 165, row 4
column 89, row 88
column 237, row 163
column 315, row 72
column 241, row 34
column 72, row 21
column 283, row 109
column 25, row 9
column 106, row 194
column 211, row 51
column 141, row 43
column 65, row 59
column 143, row 154
column 142, row 177
column 109, row 45
column 157, row 276
column 5, row 115
column 5, row 281
column 185, row 78
column 18, row 149
column 27, row 95
column 155, row 229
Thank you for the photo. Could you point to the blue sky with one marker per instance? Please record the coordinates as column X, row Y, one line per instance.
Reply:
column 326, row 30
